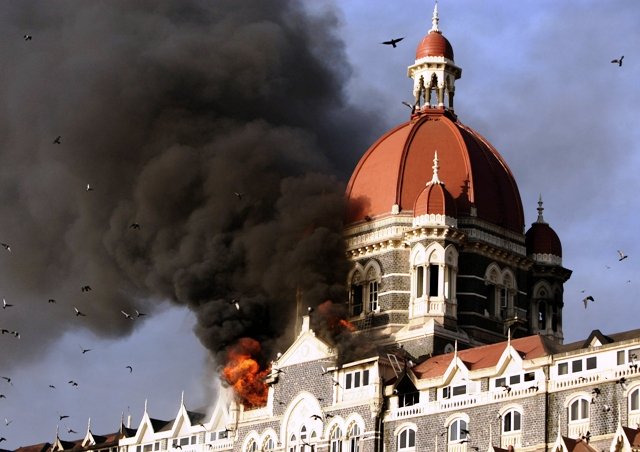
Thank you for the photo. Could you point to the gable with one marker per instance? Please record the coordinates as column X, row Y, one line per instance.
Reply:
column 306, row 348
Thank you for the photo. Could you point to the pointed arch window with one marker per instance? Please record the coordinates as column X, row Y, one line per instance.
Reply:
column 364, row 289
column 269, row 444
column 252, row 446
column 406, row 440
column 336, row 440
column 354, row 438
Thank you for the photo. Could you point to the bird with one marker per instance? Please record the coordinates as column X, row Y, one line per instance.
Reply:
column 618, row 61
column 79, row 313
column 7, row 379
column 52, row 300
column 57, row 140
column 236, row 303
column 2, row 438
column 5, row 305
column 52, row 386
column 85, row 289
column 506, row 387
column 606, row 408
column 177, row 446
column 587, row 436
column 622, row 382
column 464, row 431
column 4, row 330
column 27, row 37
column 238, row 194
column 7, row 421
column 316, row 416
column 127, row 315
column 85, row 350
column 392, row 42
column 621, row 255
column 534, row 387
column 139, row 314
column 73, row 383
column 61, row 417
column 6, row 246
column 586, row 300
column 16, row 334
column 89, row 187
column 596, row 392
column 130, row 369
column 134, row 226
column 2, row 396
column 71, row 431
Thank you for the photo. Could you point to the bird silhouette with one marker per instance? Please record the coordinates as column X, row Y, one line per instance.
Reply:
column 5, row 305
column 506, row 387
column 89, row 187
column 27, row 37
column 130, row 369
column 236, row 303
column 586, row 300
column 61, row 417
column 621, row 255
column 79, row 313
column 6, row 246
column 52, row 386
column 618, row 61
column 85, row 350
column 392, row 42
column 316, row 416
column 73, row 383
column 85, row 289
column 51, row 300
column 2, row 396
column 238, row 194
column 127, row 315
column 134, row 226
column 4, row 330
column 57, row 140
column 139, row 314
column 596, row 392
column 7, row 421
column 71, row 431
column 2, row 438
column 8, row 380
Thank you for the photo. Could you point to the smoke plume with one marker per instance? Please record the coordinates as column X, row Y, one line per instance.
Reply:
column 220, row 128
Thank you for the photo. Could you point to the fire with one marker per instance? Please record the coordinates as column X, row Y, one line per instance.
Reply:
column 347, row 325
column 243, row 373
column 334, row 318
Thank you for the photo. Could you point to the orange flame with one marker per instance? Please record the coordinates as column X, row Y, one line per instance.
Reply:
column 345, row 324
column 243, row 373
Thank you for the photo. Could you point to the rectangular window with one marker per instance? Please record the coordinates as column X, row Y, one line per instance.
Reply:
column 223, row 434
column 514, row 379
column 148, row 448
column 356, row 380
column 348, row 381
column 621, row 360
column 138, row 448
column 373, row 296
column 184, row 441
column 500, row 382
column 213, row 436
column 419, row 281
column 156, row 446
column 194, row 439
column 529, row 376
column 576, row 366
column 563, row 368
column 634, row 355
column 459, row 390
column 365, row 378
column 434, row 273
column 592, row 362
column 356, row 300
column 446, row 392
column 503, row 298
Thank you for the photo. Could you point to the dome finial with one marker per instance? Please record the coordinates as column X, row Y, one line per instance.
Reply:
column 435, row 19
column 435, row 179
column 540, row 209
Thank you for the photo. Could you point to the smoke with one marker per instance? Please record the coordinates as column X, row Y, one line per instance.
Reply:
column 221, row 128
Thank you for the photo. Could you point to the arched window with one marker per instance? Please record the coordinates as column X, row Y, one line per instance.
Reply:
column 336, row 440
column 365, row 286
column 268, row 444
column 579, row 410
column 252, row 446
column 634, row 400
column 354, row 438
column 458, row 430
column 511, row 422
column 357, row 294
column 406, row 440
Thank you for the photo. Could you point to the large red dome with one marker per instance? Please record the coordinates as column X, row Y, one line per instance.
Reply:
column 434, row 44
column 395, row 170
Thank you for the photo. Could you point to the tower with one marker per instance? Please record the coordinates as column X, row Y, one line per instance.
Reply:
column 434, row 229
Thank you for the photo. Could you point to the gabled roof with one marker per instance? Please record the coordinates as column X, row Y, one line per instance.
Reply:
column 160, row 425
column 42, row 447
column 486, row 356
column 128, row 432
column 633, row 436
column 577, row 445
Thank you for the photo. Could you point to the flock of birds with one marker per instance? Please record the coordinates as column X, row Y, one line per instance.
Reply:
column 589, row 298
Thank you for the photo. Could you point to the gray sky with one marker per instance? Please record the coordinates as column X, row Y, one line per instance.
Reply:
column 536, row 82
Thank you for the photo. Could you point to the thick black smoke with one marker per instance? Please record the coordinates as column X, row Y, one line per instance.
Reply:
column 220, row 127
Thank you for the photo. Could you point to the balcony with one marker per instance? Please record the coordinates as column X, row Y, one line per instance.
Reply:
column 578, row 428
column 511, row 439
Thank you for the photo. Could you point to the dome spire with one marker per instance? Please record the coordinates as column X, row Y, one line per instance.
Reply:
column 435, row 179
column 435, row 19
column 540, row 210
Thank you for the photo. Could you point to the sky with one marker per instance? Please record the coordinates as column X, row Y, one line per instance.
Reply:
column 213, row 125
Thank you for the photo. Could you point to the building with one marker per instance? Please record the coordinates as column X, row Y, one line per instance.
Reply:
column 461, row 306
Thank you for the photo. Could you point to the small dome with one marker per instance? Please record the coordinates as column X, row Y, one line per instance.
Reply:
column 435, row 199
column 542, row 239
column 434, row 44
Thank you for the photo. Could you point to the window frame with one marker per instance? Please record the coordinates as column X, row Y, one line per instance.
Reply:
column 582, row 406
column 513, row 416
column 406, row 440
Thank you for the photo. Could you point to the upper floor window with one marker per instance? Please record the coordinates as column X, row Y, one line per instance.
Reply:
column 364, row 290
column 452, row 391
column 268, row 444
column 579, row 410
column 511, row 421
column 406, row 440
column 458, row 430
column 373, row 296
column 356, row 379
column 252, row 446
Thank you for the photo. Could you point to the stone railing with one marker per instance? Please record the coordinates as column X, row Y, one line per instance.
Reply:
column 578, row 428
column 511, row 439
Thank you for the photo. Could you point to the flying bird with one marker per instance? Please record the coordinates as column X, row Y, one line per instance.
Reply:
column 52, row 387
column 238, row 194
column 127, row 315
column 28, row 37
column 57, row 140
column 2, row 396
column 586, row 300
column 621, row 255
column 134, row 226
column 596, row 392
column 73, row 383
column 89, row 187
column 85, row 288
column 52, row 300
column 85, row 350
column 6, row 246
column 2, row 439
column 236, row 303
column 79, row 313
column 4, row 330
column 392, row 42
column 506, row 388
column 130, row 369
column 7, row 421
column 5, row 305
column 316, row 416
column 62, row 417
column 7, row 379
column 618, row 61
column 71, row 431
column 139, row 314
